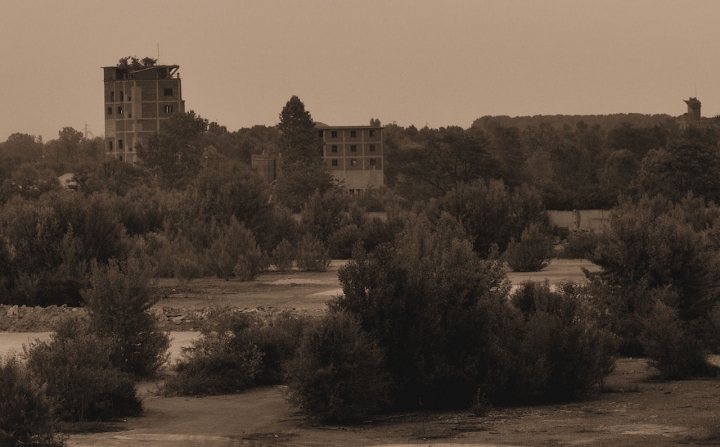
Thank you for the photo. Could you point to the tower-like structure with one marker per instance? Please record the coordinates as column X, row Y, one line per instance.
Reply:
column 693, row 108
column 137, row 98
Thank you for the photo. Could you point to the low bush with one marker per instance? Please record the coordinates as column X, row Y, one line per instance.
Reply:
column 26, row 414
column 532, row 253
column 312, row 255
column 283, row 256
column 580, row 245
column 236, row 253
column 671, row 346
column 338, row 373
column 77, row 371
column 235, row 352
column 341, row 242
column 563, row 352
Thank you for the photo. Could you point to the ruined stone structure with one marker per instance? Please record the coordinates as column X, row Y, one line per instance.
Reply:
column 137, row 99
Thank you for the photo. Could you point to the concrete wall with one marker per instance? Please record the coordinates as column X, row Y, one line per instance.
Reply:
column 581, row 220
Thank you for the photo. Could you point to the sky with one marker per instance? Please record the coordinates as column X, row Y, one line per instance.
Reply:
column 420, row 62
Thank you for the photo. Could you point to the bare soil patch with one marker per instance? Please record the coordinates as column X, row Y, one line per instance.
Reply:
column 637, row 411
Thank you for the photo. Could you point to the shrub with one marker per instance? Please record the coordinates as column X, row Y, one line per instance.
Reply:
column 563, row 351
column 671, row 347
column 532, row 253
column 77, row 371
column 236, row 253
column 283, row 256
column 341, row 241
column 580, row 245
column 235, row 352
column 439, row 312
column 117, row 302
column 338, row 373
column 26, row 415
column 714, row 329
column 312, row 256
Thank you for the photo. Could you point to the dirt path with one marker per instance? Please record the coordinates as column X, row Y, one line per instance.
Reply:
column 638, row 412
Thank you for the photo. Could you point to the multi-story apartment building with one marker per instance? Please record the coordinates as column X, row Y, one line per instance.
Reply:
column 354, row 154
column 137, row 99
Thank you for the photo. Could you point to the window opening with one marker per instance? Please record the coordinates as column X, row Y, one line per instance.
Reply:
column 333, row 148
column 353, row 134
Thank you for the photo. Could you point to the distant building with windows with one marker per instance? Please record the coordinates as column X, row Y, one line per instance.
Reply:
column 354, row 155
column 137, row 99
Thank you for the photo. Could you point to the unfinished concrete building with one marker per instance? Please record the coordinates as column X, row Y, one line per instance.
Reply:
column 354, row 155
column 137, row 99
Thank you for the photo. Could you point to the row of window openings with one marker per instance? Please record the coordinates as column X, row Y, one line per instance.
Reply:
column 354, row 162
column 166, row 109
column 353, row 133
column 166, row 92
column 353, row 148
column 120, row 145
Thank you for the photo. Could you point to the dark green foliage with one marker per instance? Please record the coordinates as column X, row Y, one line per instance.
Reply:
column 580, row 245
column 490, row 213
column 651, row 243
column 562, row 351
column 117, row 301
column 230, row 189
column 341, row 242
column 438, row 311
column 430, row 163
column 532, row 253
column 174, row 154
column 52, row 242
column 77, row 370
column 298, row 140
column 283, row 256
column 298, row 181
column 235, row 352
column 235, row 253
column 337, row 374
column 689, row 164
column 312, row 256
column 671, row 346
column 26, row 414
column 302, row 171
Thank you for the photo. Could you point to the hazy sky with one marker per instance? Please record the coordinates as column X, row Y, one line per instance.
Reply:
column 414, row 62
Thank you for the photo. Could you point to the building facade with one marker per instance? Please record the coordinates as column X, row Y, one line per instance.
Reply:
column 354, row 154
column 137, row 99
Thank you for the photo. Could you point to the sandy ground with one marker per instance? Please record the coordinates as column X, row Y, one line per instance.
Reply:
column 639, row 411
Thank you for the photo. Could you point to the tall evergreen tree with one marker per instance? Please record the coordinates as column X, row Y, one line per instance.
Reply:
column 299, row 140
column 302, row 170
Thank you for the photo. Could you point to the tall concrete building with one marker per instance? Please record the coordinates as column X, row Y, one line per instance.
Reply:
column 354, row 154
column 693, row 108
column 137, row 99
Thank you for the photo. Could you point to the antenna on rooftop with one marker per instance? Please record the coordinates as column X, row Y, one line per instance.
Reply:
column 158, row 48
